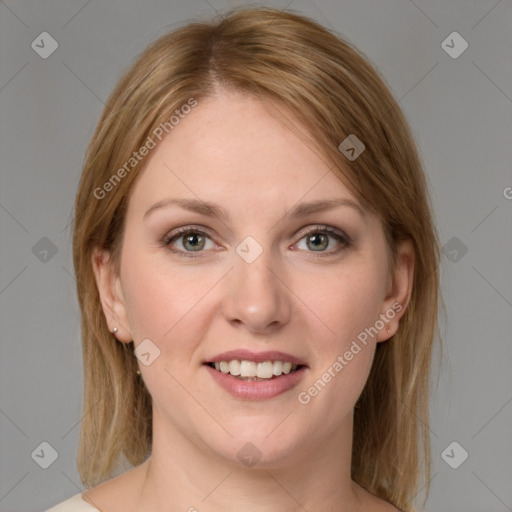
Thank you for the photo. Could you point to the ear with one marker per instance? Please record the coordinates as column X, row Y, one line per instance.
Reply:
column 399, row 290
column 111, row 295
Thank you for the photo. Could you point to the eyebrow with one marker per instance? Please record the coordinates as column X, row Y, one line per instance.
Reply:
column 213, row 210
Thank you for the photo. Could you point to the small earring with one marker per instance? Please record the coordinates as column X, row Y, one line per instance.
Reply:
column 114, row 330
column 138, row 372
column 389, row 330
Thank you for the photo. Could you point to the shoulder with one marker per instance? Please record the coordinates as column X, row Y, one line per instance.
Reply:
column 385, row 506
column 381, row 506
column 370, row 502
column 117, row 494
column 74, row 504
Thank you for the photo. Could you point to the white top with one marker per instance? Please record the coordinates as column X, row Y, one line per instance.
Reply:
column 74, row 504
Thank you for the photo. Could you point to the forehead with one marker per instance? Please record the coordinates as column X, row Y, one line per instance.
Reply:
column 233, row 147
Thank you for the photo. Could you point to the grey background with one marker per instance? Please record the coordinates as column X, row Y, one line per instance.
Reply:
column 460, row 112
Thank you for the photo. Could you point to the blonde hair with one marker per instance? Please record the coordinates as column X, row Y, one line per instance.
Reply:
column 291, row 61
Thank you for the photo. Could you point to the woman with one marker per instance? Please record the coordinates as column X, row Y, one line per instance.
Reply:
column 257, row 272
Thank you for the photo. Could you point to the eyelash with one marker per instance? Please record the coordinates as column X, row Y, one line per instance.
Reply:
column 345, row 240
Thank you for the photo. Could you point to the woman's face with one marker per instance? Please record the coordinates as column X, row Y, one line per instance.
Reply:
column 268, row 279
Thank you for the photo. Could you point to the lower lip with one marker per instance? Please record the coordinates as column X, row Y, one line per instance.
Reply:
column 257, row 390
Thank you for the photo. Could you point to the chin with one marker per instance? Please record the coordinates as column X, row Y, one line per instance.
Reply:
column 263, row 444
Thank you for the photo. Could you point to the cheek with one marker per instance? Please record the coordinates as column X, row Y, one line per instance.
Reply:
column 346, row 301
column 343, row 357
column 153, row 302
column 162, row 300
column 350, row 307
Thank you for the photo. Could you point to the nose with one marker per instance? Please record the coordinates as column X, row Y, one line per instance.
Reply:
column 256, row 296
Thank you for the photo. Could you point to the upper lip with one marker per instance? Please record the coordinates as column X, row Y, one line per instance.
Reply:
column 257, row 357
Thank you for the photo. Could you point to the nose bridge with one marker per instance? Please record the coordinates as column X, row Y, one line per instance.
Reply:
column 255, row 296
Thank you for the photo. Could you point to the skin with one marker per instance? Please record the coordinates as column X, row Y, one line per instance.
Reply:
column 232, row 151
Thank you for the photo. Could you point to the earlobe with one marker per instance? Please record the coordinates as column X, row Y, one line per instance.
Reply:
column 111, row 296
column 400, row 289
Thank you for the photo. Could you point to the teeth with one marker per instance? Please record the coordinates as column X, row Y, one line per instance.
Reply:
column 234, row 367
column 278, row 367
column 265, row 370
column 249, row 369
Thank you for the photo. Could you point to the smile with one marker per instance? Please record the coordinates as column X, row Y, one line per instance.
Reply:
column 251, row 371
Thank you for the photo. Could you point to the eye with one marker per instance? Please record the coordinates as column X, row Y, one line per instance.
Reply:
column 188, row 240
column 320, row 238
column 324, row 240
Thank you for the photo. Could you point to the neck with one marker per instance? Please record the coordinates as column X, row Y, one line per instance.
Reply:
column 184, row 476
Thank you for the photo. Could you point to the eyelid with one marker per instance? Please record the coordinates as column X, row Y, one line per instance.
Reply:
column 169, row 235
column 324, row 228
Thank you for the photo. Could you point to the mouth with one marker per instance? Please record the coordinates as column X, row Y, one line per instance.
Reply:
column 256, row 376
column 251, row 371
